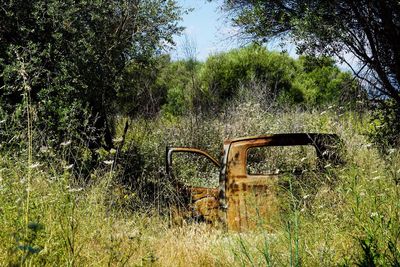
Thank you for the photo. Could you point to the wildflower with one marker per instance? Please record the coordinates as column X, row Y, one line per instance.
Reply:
column 373, row 214
column 108, row 162
column 117, row 140
column 66, row 143
column 44, row 149
column 34, row 166
column 68, row 167
column 72, row 190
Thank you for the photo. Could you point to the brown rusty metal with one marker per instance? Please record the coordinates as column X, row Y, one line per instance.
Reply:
column 243, row 200
column 171, row 150
column 194, row 203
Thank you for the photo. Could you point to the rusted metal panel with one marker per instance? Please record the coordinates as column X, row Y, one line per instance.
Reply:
column 243, row 200
column 171, row 150
column 251, row 201
column 195, row 203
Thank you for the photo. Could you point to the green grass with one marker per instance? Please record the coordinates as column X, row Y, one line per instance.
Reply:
column 351, row 218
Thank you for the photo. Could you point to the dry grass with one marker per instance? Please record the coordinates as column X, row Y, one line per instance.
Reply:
column 353, row 218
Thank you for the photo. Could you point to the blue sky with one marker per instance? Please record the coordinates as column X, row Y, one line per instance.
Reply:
column 209, row 31
column 206, row 29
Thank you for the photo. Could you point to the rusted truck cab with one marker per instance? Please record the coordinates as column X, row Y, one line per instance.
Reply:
column 245, row 196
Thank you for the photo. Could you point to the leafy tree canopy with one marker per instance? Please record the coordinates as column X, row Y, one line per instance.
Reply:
column 368, row 30
column 68, row 59
column 309, row 80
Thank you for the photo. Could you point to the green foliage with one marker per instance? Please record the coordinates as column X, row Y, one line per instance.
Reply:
column 68, row 60
column 347, row 216
column 176, row 101
column 223, row 74
column 368, row 30
column 181, row 80
column 143, row 92
column 386, row 127
column 239, row 73
column 321, row 82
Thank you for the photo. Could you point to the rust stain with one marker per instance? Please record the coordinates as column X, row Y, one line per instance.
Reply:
column 243, row 201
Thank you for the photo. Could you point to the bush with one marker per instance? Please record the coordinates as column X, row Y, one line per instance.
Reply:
column 66, row 61
column 321, row 82
column 222, row 74
column 181, row 80
column 386, row 126
column 309, row 81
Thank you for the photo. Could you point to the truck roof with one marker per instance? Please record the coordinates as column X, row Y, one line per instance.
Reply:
column 300, row 138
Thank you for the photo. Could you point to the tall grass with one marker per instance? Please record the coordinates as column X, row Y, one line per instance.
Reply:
column 351, row 218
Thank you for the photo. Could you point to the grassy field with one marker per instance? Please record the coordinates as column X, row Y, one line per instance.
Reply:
column 48, row 218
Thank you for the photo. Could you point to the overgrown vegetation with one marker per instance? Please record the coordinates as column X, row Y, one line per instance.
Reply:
column 68, row 61
column 366, row 30
column 209, row 86
column 351, row 218
column 89, row 101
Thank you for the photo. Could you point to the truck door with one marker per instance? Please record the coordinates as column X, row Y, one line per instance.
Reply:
column 195, row 174
column 256, row 173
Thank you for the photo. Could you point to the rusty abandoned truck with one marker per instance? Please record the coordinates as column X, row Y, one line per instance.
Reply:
column 245, row 194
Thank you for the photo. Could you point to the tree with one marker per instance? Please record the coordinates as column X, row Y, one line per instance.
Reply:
column 181, row 79
column 224, row 73
column 369, row 30
column 322, row 82
column 252, row 73
column 143, row 94
column 68, row 60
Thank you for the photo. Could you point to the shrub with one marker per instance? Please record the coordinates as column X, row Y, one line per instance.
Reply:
column 67, row 59
column 321, row 82
column 223, row 73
